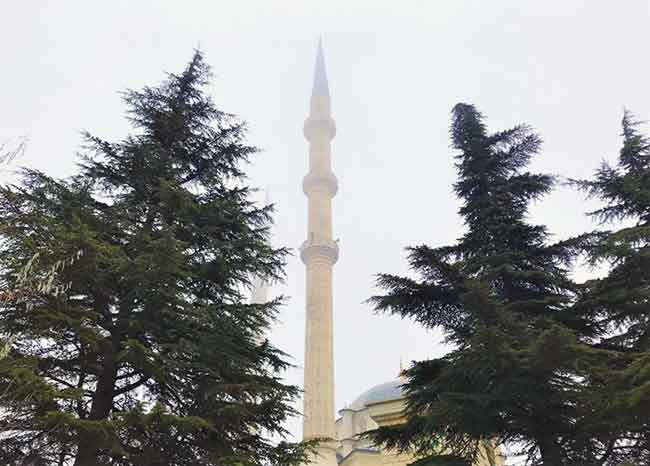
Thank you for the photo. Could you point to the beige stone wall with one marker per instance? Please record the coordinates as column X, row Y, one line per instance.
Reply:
column 387, row 458
column 362, row 458
column 385, row 413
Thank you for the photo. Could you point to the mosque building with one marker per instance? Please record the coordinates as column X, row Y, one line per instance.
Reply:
column 382, row 405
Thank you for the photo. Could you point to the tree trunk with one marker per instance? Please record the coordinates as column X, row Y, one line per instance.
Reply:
column 551, row 452
column 102, row 404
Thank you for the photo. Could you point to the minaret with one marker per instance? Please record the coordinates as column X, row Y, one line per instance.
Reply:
column 260, row 292
column 319, row 253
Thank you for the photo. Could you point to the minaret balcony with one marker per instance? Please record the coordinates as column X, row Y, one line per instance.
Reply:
column 316, row 127
column 314, row 183
column 318, row 248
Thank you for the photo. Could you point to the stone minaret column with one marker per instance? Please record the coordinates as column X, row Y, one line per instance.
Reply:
column 260, row 292
column 319, row 253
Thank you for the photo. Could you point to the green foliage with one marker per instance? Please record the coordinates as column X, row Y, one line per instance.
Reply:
column 521, row 372
column 125, row 297
column 619, row 303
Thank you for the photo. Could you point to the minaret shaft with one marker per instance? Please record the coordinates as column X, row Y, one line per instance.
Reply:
column 319, row 253
column 319, row 222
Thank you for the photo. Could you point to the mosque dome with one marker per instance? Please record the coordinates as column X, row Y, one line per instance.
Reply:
column 387, row 391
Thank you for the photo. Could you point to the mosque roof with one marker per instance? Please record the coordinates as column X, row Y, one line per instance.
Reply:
column 387, row 391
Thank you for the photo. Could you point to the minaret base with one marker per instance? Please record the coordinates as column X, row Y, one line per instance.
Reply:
column 325, row 455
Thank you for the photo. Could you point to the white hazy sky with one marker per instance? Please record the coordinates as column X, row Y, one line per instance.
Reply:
column 396, row 68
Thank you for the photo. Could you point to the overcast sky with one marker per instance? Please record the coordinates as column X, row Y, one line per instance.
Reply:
column 396, row 68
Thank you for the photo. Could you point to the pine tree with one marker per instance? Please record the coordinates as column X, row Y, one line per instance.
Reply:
column 132, row 343
column 503, row 298
column 619, row 304
column 622, row 299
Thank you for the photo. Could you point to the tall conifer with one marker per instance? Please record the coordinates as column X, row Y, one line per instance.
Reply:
column 619, row 303
column 132, row 342
column 622, row 299
column 503, row 298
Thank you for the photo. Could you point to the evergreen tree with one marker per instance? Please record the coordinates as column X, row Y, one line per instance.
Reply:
column 132, row 343
column 503, row 298
column 619, row 303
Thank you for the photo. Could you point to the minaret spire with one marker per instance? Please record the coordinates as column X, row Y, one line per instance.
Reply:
column 319, row 254
column 321, row 88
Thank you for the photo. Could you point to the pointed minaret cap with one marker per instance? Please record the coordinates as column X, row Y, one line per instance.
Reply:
column 321, row 89
column 401, row 374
